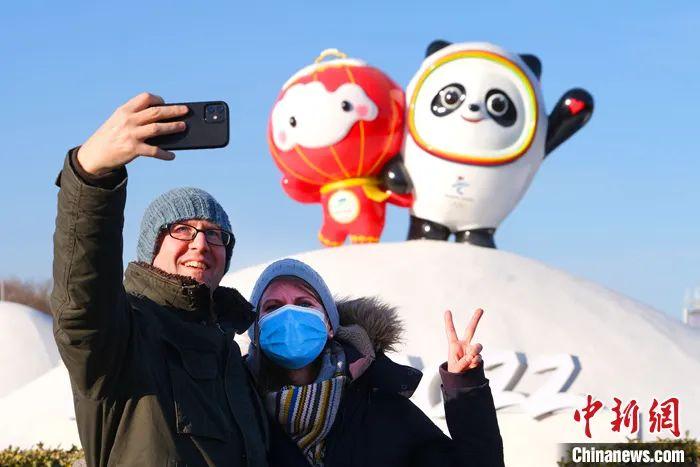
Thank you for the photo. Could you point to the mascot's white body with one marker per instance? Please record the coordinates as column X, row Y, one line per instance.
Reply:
column 475, row 135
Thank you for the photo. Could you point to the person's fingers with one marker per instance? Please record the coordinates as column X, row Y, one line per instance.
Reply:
column 160, row 112
column 475, row 349
column 465, row 361
column 450, row 331
column 470, row 361
column 142, row 101
column 471, row 327
column 476, row 361
column 155, row 152
column 157, row 129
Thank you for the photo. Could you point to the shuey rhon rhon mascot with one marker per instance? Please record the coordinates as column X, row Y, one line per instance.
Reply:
column 333, row 128
column 476, row 133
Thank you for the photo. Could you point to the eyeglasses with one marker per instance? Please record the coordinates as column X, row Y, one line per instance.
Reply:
column 188, row 233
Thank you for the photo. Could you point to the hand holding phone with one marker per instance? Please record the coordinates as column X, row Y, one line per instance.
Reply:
column 144, row 126
column 207, row 127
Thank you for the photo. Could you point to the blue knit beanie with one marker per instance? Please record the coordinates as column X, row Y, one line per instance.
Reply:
column 295, row 268
column 177, row 205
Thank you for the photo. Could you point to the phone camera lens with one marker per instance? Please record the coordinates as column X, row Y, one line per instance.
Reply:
column 215, row 113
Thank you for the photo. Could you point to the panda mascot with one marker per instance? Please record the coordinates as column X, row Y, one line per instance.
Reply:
column 476, row 133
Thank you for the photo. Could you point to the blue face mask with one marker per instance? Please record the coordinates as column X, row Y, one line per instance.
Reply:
column 293, row 336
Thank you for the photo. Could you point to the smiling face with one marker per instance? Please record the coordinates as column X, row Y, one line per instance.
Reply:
column 473, row 107
column 335, row 120
column 310, row 116
column 195, row 258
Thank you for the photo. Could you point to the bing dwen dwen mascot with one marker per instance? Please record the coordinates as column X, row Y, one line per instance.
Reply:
column 476, row 133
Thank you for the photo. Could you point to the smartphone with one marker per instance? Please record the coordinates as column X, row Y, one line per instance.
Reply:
column 207, row 127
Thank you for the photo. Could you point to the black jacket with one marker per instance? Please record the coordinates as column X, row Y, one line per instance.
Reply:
column 377, row 425
column 156, row 380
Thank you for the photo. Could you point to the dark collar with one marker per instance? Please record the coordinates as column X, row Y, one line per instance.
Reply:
column 385, row 374
column 188, row 298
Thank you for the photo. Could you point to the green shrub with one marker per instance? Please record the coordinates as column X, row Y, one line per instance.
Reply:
column 39, row 457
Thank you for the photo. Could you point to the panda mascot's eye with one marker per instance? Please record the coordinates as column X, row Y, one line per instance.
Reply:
column 346, row 106
column 497, row 104
column 448, row 99
column 293, row 122
column 500, row 107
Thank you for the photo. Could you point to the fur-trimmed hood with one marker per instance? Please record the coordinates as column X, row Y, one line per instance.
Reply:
column 379, row 320
column 369, row 328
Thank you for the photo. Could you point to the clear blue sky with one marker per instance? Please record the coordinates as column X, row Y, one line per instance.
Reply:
column 616, row 204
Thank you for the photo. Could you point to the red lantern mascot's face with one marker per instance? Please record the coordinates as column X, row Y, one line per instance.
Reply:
column 333, row 127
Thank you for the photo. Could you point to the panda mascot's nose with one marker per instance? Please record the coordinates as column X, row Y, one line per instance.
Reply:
column 474, row 107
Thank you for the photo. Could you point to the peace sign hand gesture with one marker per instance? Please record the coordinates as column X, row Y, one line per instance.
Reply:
column 461, row 354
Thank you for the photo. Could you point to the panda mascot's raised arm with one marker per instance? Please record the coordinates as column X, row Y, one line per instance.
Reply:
column 573, row 110
column 476, row 134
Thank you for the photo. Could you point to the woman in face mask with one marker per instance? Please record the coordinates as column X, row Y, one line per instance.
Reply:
column 335, row 399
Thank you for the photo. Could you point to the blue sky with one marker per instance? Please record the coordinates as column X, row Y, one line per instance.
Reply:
column 616, row 204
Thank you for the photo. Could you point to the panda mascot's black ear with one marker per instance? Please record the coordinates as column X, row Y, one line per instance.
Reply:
column 533, row 63
column 435, row 46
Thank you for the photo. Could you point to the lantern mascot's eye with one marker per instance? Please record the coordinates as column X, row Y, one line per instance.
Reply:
column 335, row 132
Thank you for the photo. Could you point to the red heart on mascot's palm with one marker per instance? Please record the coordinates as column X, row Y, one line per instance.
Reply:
column 575, row 105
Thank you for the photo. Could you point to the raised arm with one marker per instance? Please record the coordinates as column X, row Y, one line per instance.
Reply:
column 469, row 409
column 572, row 112
column 89, row 305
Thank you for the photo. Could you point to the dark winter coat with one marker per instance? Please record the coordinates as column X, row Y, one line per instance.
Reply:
column 377, row 425
column 156, row 379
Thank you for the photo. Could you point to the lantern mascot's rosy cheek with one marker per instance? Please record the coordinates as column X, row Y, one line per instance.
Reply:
column 335, row 132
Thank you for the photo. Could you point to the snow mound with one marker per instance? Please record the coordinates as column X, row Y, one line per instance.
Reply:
column 41, row 411
column 550, row 338
column 27, row 348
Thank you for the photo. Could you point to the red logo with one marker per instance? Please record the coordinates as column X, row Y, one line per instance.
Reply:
column 588, row 412
column 662, row 416
column 627, row 417
column 667, row 418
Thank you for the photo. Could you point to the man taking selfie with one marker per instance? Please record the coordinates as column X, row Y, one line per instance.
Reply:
column 157, row 378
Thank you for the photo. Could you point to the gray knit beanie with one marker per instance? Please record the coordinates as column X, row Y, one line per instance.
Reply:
column 296, row 268
column 177, row 205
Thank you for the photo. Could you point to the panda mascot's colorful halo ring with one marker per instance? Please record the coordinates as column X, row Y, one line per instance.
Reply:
column 512, row 152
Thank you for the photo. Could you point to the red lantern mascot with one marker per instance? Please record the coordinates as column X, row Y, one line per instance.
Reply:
column 333, row 130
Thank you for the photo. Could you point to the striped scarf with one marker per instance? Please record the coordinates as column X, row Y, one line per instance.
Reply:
column 307, row 413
